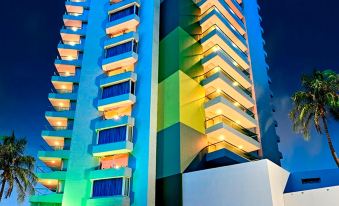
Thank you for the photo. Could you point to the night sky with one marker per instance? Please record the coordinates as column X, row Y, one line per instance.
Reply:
column 300, row 35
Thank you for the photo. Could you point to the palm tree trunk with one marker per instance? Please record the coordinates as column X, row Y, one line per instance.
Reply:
column 330, row 144
column 2, row 187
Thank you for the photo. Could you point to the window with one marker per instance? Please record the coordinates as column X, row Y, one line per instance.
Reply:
column 121, row 48
column 124, row 12
column 107, row 187
column 118, row 89
column 116, row 134
column 310, row 180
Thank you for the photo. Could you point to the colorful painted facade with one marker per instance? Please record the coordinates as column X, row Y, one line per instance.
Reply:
column 146, row 90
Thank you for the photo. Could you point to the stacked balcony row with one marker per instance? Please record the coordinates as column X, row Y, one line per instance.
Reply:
column 231, row 122
column 114, row 141
column 63, row 98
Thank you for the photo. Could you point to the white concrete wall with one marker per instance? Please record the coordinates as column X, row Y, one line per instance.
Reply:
column 258, row 183
column 317, row 197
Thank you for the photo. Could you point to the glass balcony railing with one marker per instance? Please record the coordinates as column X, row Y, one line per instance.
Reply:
column 214, row 8
column 220, row 93
column 215, row 27
column 223, row 119
column 220, row 69
column 217, row 48
column 225, row 145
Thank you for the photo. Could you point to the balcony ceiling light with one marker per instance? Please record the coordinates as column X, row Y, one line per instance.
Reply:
column 241, row 147
column 218, row 111
column 222, row 137
column 116, row 117
column 58, row 123
column 235, row 84
column 237, row 121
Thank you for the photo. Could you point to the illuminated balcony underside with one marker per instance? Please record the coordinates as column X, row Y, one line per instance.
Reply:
column 125, row 100
column 75, row 7
column 116, row 200
column 69, row 35
column 51, row 179
column 74, row 21
column 69, row 51
column 232, row 136
column 59, row 118
column 66, row 66
column 56, row 138
column 215, row 18
column 234, row 5
column 128, row 23
column 112, row 149
column 222, row 6
column 122, row 60
column 110, row 173
column 53, row 159
column 72, row 79
column 216, row 37
column 64, row 83
column 220, row 104
column 64, row 96
column 49, row 198
column 220, row 81
column 218, row 59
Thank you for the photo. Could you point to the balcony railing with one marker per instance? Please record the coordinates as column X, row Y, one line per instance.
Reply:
column 55, row 148
column 57, row 127
column 220, row 69
column 45, row 191
column 220, row 93
column 215, row 27
column 217, row 48
column 223, row 119
column 225, row 145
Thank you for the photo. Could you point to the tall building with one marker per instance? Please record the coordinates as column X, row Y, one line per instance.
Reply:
column 145, row 91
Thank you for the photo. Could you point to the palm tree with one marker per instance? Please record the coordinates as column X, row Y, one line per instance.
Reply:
column 16, row 169
column 316, row 103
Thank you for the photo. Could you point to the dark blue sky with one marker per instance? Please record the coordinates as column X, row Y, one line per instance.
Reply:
column 300, row 35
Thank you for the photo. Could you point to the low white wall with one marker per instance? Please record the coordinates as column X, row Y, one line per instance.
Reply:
column 317, row 197
column 258, row 183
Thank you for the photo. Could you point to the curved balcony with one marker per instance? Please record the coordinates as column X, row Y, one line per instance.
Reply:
column 220, row 103
column 214, row 36
column 223, row 8
column 214, row 17
column 218, row 79
column 217, row 57
column 221, row 128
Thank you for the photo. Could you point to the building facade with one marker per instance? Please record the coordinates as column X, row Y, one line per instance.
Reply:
column 147, row 90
